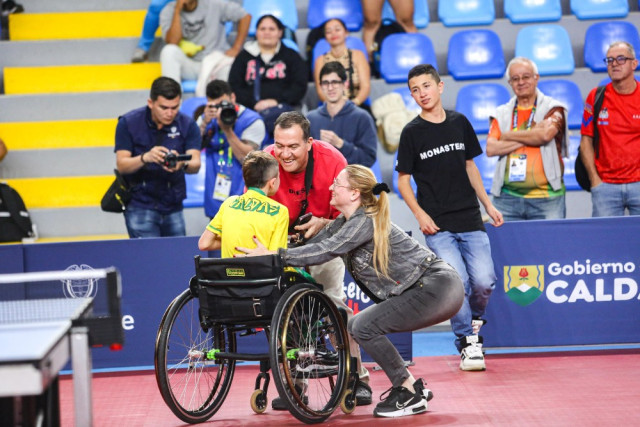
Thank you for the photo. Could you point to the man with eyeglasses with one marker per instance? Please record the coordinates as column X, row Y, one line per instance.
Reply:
column 612, row 165
column 340, row 122
column 226, row 144
column 529, row 134
column 308, row 168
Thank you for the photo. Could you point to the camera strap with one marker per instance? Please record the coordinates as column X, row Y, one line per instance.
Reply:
column 308, row 178
column 256, row 82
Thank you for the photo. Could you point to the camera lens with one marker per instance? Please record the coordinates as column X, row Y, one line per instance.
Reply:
column 228, row 113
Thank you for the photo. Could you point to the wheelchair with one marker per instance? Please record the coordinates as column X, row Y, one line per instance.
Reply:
column 227, row 299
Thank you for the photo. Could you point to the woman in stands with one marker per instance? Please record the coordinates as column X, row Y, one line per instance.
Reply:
column 412, row 287
column 268, row 76
column 353, row 60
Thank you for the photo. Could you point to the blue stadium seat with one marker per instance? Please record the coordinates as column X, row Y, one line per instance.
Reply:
column 600, row 35
column 394, row 179
column 486, row 165
column 475, row 54
column 322, row 46
column 291, row 44
column 195, row 186
column 570, row 181
column 549, row 46
column 401, row 51
column 409, row 102
column 189, row 86
column 464, row 12
column 189, row 105
column 420, row 13
column 599, row 9
column 522, row 11
column 479, row 100
column 284, row 10
column 349, row 11
column 375, row 168
column 569, row 94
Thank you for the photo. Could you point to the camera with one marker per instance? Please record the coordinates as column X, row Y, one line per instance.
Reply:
column 170, row 159
column 228, row 113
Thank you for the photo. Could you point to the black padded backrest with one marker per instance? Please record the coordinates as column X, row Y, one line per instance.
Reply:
column 238, row 271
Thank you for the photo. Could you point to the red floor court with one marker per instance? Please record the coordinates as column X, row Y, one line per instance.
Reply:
column 586, row 388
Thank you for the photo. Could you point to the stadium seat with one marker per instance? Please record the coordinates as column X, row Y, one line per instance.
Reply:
column 567, row 92
column 479, row 100
column 420, row 13
column 189, row 105
column 569, row 164
column 600, row 35
column 523, row 11
column 486, row 165
column 464, row 12
column 599, row 9
column 409, row 102
column 291, row 44
column 322, row 46
column 475, row 54
column 401, row 51
column 284, row 10
column 375, row 168
column 349, row 11
column 549, row 46
column 195, row 185
column 394, row 179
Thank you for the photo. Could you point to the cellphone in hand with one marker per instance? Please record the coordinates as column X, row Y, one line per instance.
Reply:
column 303, row 219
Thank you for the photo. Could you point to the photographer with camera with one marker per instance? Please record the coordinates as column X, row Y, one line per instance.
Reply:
column 229, row 132
column 155, row 146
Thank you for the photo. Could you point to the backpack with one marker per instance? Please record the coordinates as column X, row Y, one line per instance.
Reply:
column 387, row 28
column 312, row 38
column 15, row 221
column 582, row 177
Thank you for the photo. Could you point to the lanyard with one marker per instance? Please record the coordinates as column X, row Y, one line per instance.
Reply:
column 515, row 115
column 221, row 161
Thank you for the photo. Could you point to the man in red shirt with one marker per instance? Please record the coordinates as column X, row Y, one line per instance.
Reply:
column 300, row 156
column 614, row 172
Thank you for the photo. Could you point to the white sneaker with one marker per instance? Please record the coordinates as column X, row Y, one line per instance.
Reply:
column 471, row 357
column 476, row 324
column 139, row 55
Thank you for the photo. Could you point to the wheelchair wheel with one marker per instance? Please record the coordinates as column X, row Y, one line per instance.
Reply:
column 192, row 383
column 309, row 353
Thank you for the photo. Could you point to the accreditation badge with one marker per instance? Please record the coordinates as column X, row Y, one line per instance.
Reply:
column 517, row 167
column 223, row 187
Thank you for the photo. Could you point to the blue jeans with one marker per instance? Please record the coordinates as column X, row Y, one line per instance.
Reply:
column 151, row 23
column 612, row 199
column 470, row 254
column 515, row 208
column 150, row 223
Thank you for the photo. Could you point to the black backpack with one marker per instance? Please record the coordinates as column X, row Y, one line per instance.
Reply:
column 15, row 221
column 387, row 28
column 582, row 177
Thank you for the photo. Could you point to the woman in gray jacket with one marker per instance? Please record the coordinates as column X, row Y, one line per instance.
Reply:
column 412, row 288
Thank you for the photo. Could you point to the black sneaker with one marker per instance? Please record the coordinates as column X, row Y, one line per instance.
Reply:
column 323, row 362
column 279, row 404
column 419, row 387
column 9, row 7
column 399, row 403
column 363, row 394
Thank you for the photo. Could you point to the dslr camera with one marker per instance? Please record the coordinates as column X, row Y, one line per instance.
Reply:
column 228, row 113
column 170, row 159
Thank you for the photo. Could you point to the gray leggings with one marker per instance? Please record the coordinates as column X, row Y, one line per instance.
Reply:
column 436, row 297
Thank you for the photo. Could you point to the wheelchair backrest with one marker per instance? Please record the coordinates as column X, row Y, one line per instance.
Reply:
column 258, row 270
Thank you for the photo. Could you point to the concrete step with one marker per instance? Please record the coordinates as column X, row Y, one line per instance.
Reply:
column 58, row 134
column 58, row 162
column 62, row 192
column 79, row 78
column 43, row 6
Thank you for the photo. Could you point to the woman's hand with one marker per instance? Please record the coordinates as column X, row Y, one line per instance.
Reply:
column 260, row 249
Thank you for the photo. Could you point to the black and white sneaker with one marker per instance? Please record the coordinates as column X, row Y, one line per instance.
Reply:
column 419, row 387
column 400, row 402
column 323, row 362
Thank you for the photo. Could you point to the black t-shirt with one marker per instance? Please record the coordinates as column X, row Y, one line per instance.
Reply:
column 436, row 154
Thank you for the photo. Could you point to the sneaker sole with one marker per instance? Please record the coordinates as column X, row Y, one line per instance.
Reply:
column 478, row 366
column 418, row 408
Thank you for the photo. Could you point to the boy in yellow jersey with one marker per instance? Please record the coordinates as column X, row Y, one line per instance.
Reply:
column 253, row 213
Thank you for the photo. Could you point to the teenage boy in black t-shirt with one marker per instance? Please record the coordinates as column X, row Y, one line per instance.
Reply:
column 437, row 148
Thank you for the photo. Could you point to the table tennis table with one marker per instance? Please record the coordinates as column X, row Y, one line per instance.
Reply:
column 38, row 337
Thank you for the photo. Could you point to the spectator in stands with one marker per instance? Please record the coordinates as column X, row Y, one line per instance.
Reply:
column 144, row 138
column 437, row 148
column 235, row 226
column 613, row 166
column 227, row 142
column 10, row 6
column 268, row 76
column 308, row 168
column 149, row 27
column 530, row 135
column 372, row 10
column 353, row 60
column 196, row 39
column 340, row 122
column 412, row 288
column 3, row 150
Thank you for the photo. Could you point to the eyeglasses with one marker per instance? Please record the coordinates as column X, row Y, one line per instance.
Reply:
column 332, row 83
column 524, row 78
column 620, row 60
column 335, row 184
